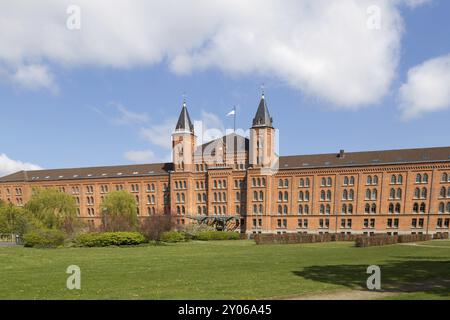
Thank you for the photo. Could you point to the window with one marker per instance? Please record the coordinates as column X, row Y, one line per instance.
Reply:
column 322, row 209
column 352, row 181
column 322, row 195
column 368, row 194
column 418, row 178
column 374, row 194
column 425, row 178
column 374, row 208
column 300, row 209
column 416, row 208
column 301, row 183
column 367, row 208
column 392, row 194
column 307, row 181
column 399, row 193
column 344, row 208
column 323, row 182
column 345, row 195
column 306, row 211
column 443, row 192
column 441, row 207
column 393, row 179
column 391, row 208
column 417, row 193
column 328, row 195
column 422, row 207
column 345, row 181
column 400, row 179
column 350, row 208
column 448, row 207
column 444, row 177
column 424, row 193
column 397, row 208
column 329, row 182
column 375, row 180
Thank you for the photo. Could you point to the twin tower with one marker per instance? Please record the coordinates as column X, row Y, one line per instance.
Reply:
column 257, row 152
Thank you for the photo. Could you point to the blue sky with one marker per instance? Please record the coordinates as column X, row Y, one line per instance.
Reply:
column 92, row 114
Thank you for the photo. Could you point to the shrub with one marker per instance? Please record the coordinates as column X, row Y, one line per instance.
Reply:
column 152, row 227
column 44, row 238
column 216, row 235
column 292, row 238
column 109, row 239
column 172, row 236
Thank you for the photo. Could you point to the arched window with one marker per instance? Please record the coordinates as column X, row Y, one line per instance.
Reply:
column 418, row 178
column 448, row 207
column 441, row 207
column 391, row 208
column 393, row 179
column 255, row 195
column 328, row 209
column 424, row 193
column 199, row 209
column 178, row 210
column 344, row 208
column 280, row 183
column 444, row 177
column 374, row 208
column 328, row 195
column 352, row 181
column 307, row 182
column 425, row 178
column 254, row 182
column 345, row 181
column 260, row 208
column 374, row 194
column 392, row 194
column 350, row 209
column 417, row 193
column 322, row 209
column 399, row 193
column 285, row 210
column 351, row 194
column 300, row 209
column 367, row 208
column 280, row 209
column 422, row 207
column 261, row 196
column 443, row 192
column 322, row 195
column 368, row 194
column 301, row 196
column 306, row 209
column 400, row 179
column 255, row 208
column 280, row 196
column 323, row 182
column 397, row 208
column 307, row 196
column 329, row 182
column 286, row 196
column 286, row 183
column 375, row 180
column 369, row 180
column 263, row 182
column 416, row 208
column 259, row 182
column 345, row 195
column 302, row 182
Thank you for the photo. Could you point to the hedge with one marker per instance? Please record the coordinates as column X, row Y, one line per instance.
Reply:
column 382, row 240
column 109, row 239
column 172, row 236
column 216, row 235
column 441, row 235
column 292, row 238
column 44, row 238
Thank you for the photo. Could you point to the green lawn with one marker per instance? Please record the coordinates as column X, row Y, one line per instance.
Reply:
column 221, row 270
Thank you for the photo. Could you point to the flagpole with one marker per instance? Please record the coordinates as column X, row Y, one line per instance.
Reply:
column 234, row 119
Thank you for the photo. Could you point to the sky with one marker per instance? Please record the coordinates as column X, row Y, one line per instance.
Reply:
column 84, row 83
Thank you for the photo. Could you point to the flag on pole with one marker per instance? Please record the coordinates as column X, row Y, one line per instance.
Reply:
column 231, row 113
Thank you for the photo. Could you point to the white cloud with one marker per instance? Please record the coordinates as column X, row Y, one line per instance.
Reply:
column 34, row 77
column 321, row 47
column 160, row 134
column 427, row 88
column 140, row 156
column 128, row 117
column 8, row 166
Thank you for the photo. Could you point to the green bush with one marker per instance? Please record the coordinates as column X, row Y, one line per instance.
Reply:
column 109, row 239
column 216, row 235
column 172, row 236
column 45, row 238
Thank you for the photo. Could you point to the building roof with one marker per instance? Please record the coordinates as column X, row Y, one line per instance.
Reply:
column 262, row 117
column 366, row 158
column 238, row 140
column 90, row 173
column 184, row 121
column 341, row 159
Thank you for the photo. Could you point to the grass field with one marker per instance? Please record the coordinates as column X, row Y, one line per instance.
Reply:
column 224, row 270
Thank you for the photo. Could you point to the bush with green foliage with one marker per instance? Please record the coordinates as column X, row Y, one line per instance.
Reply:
column 216, row 235
column 172, row 236
column 44, row 238
column 119, row 212
column 53, row 209
column 13, row 220
column 106, row 239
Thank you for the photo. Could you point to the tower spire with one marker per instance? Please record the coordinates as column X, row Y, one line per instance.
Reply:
column 184, row 120
column 262, row 117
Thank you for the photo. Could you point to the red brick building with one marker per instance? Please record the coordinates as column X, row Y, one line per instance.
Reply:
column 242, row 184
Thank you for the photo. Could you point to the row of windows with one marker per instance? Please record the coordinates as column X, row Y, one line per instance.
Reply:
column 180, row 198
column 420, row 194
column 239, row 184
column 220, row 210
column 395, row 194
column 444, row 208
column 220, row 197
column 349, row 181
column 445, row 192
column 180, row 185
column 258, row 182
column 445, row 177
column 258, row 196
column 200, row 185
column 220, row 184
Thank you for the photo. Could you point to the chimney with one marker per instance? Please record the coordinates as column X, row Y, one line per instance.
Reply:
column 342, row 153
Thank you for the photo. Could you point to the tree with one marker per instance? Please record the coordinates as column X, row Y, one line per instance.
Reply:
column 119, row 212
column 53, row 209
column 13, row 220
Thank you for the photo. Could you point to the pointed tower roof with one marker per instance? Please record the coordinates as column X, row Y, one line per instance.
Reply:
column 184, row 121
column 262, row 117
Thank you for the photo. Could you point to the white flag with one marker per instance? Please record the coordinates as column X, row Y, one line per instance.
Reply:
column 231, row 113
